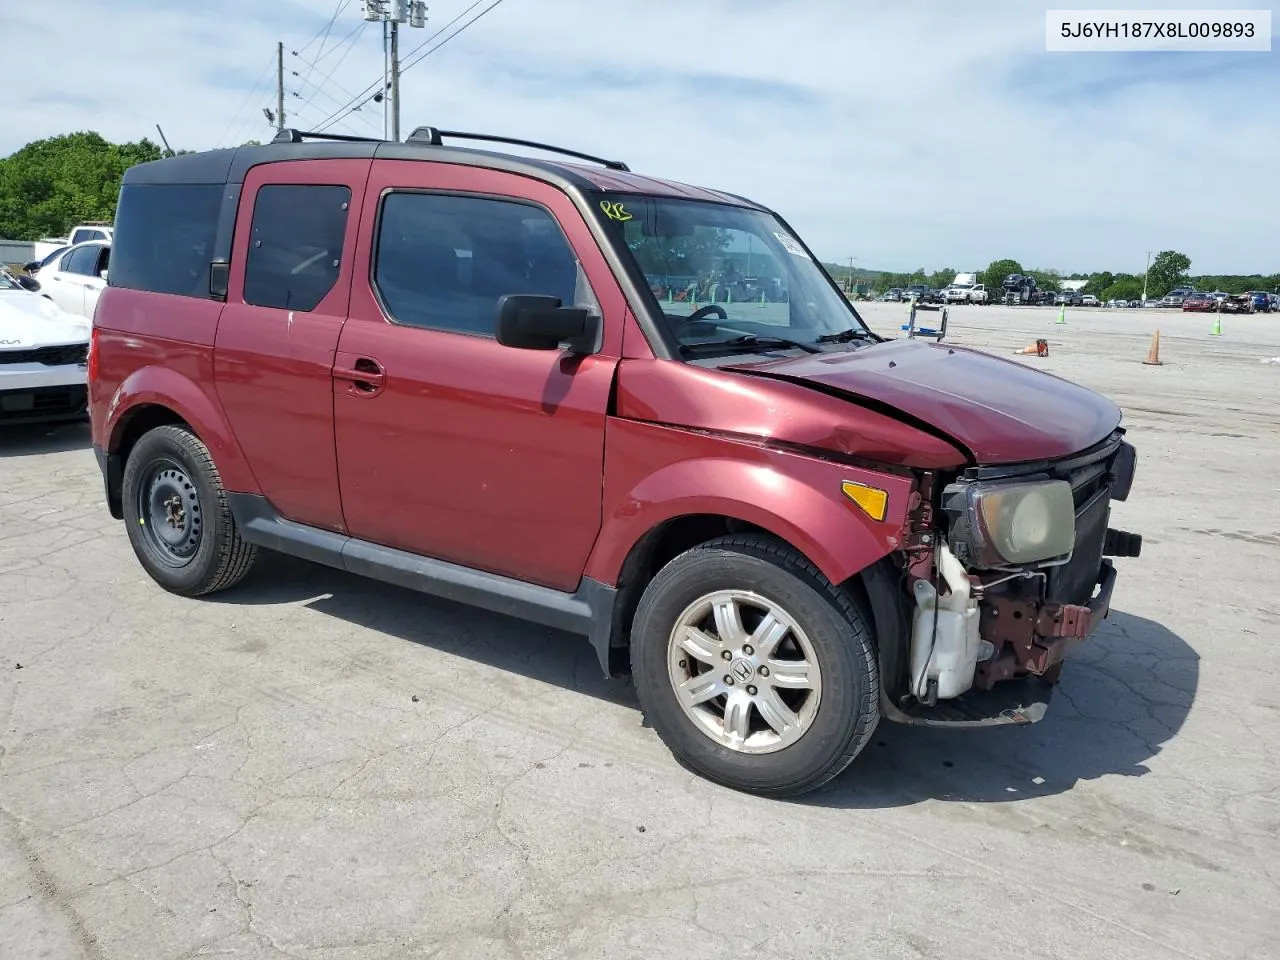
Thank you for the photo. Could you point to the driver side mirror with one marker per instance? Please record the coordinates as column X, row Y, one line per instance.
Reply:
column 540, row 323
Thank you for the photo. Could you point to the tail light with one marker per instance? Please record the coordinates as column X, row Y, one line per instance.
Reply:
column 92, row 361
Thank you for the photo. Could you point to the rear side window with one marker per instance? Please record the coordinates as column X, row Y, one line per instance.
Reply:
column 164, row 238
column 295, row 248
column 444, row 261
column 84, row 236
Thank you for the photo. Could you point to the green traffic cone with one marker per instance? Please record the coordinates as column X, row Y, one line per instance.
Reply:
column 762, row 299
column 1062, row 314
column 1217, row 326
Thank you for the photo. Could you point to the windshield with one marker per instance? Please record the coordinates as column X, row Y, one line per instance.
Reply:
column 9, row 283
column 718, row 272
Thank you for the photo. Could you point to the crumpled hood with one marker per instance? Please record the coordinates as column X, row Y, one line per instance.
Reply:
column 28, row 320
column 997, row 409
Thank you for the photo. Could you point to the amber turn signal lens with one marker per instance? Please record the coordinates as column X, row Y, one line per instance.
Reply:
column 873, row 501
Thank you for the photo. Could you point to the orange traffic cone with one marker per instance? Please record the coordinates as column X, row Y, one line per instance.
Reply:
column 1038, row 349
column 1153, row 355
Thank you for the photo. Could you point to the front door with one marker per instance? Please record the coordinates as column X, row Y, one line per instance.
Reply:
column 451, row 445
column 287, row 295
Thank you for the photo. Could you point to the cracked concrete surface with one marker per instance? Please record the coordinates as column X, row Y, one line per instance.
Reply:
column 249, row 775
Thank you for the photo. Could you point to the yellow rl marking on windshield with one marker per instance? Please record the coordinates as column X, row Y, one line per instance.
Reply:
column 873, row 501
column 615, row 211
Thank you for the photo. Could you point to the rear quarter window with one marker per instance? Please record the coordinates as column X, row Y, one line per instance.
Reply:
column 164, row 238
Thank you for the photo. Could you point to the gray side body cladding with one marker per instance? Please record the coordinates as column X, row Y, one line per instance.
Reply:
column 587, row 611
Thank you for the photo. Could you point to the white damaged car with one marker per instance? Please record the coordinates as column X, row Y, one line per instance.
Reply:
column 43, row 357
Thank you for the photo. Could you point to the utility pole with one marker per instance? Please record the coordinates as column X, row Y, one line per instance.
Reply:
column 1144, row 278
column 392, row 13
column 280, row 86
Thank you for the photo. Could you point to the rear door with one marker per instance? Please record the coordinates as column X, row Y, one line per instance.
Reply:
column 287, row 296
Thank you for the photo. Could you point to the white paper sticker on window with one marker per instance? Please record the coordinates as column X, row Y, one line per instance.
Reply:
column 790, row 245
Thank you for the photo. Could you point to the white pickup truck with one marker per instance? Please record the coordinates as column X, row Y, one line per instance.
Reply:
column 81, row 233
column 960, row 292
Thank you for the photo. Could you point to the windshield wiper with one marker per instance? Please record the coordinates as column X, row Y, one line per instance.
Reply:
column 844, row 336
column 748, row 341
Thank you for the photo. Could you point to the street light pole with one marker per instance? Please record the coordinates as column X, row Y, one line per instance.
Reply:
column 1144, row 278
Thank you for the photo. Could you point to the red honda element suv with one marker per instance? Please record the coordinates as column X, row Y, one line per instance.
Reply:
column 628, row 408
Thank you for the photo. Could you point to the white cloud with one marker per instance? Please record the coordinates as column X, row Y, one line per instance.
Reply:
column 903, row 134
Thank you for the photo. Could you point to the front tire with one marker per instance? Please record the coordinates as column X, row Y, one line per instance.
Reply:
column 177, row 515
column 756, row 672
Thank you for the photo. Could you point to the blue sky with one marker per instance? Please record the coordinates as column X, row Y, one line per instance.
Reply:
column 904, row 134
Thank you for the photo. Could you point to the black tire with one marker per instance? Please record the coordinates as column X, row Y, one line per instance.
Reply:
column 837, row 630
column 196, row 549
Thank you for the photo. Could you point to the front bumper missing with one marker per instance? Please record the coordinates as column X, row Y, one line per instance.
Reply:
column 1034, row 638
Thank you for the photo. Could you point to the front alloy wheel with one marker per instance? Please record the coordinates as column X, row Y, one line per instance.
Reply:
column 744, row 671
column 753, row 668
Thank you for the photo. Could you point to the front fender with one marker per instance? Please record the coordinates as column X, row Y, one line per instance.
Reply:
column 167, row 387
column 655, row 474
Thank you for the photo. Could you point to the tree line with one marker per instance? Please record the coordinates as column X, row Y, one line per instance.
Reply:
column 50, row 185
column 1169, row 269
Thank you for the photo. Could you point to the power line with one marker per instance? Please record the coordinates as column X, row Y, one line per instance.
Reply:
column 369, row 91
column 342, row 5
column 473, row 20
column 249, row 96
column 334, row 69
column 325, row 29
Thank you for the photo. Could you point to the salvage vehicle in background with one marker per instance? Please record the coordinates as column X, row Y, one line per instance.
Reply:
column 447, row 369
column 1199, row 303
column 43, row 352
column 1241, row 303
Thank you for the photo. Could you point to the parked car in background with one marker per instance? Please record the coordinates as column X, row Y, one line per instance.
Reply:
column 1176, row 296
column 1089, row 300
column 34, row 266
column 1199, row 303
column 782, row 525
column 75, row 280
column 892, row 294
column 965, row 293
column 1262, row 301
column 1117, row 304
column 915, row 292
column 43, row 352
column 1068, row 298
column 1241, row 303
column 81, row 233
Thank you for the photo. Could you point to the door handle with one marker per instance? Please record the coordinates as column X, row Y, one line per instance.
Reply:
column 365, row 376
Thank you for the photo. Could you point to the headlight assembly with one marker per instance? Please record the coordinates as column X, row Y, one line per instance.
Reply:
column 1011, row 523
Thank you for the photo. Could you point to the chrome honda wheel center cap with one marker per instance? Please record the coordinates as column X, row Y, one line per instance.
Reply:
column 742, row 669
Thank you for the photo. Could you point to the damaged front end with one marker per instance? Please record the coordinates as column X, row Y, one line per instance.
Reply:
column 1007, row 570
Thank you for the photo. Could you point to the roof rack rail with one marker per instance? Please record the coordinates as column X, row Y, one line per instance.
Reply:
column 290, row 135
column 434, row 137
